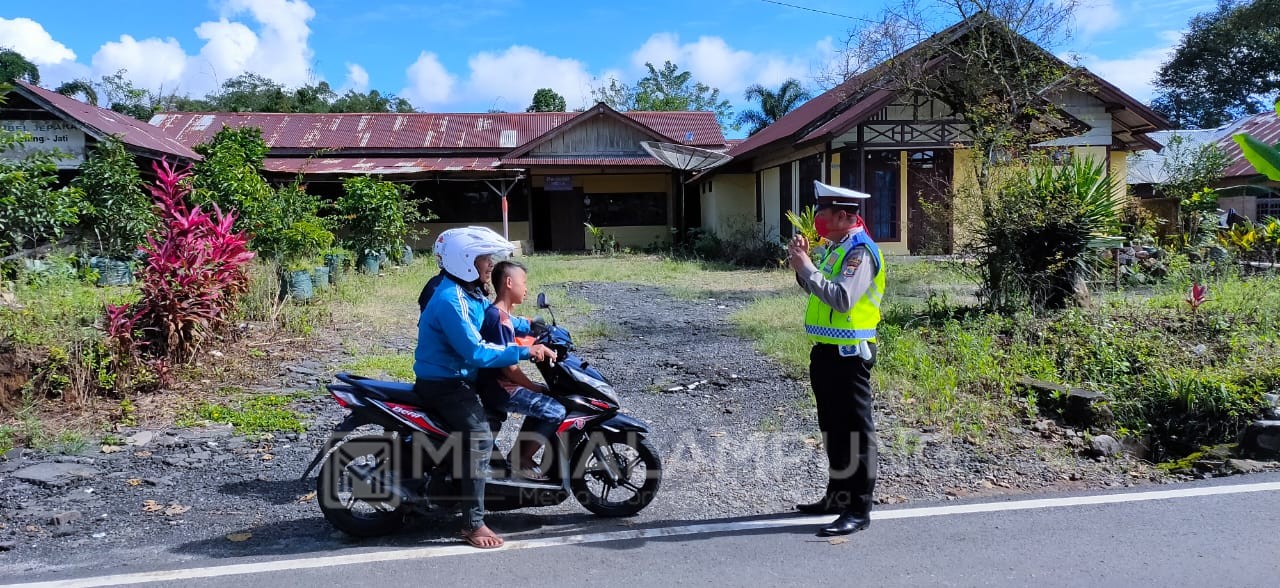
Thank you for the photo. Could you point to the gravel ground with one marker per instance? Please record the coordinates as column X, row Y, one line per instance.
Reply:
column 732, row 429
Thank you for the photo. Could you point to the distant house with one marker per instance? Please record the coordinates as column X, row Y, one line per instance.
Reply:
column 904, row 150
column 1242, row 188
column 72, row 127
column 558, row 170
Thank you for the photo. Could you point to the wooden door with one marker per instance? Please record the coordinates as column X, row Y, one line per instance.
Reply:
column 929, row 202
column 567, row 217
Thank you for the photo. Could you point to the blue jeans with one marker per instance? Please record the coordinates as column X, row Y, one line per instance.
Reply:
column 544, row 412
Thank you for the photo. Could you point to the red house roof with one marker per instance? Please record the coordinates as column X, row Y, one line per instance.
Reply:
column 858, row 98
column 101, row 123
column 1264, row 126
column 499, row 133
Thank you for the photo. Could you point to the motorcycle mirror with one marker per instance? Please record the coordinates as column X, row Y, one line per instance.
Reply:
column 542, row 300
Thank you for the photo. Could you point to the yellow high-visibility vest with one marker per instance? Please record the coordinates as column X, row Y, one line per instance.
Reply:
column 822, row 323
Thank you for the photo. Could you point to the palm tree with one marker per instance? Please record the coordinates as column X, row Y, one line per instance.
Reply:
column 82, row 87
column 773, row 105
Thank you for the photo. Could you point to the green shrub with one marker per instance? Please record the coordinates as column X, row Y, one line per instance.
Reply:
column 374, row 215
column 117, row 212
column 1033, row 234
column 283, row 222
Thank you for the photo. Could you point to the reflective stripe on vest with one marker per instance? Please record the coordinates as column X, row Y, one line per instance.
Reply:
column 822, row 323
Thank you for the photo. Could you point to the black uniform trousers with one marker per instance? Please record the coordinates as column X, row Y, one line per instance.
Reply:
column 842, row 389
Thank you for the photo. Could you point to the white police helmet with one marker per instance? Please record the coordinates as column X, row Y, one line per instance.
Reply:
column 456, row 250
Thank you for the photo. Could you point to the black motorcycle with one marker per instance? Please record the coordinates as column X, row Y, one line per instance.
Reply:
column 371, row 481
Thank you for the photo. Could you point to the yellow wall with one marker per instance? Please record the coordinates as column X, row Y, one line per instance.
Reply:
column 730, row 203
column 606, row 183
column 519, row 231
column 1119, row 171
column 966, row 206
column 770, row 188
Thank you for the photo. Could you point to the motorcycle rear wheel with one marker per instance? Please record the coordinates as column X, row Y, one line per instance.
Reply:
column 631, row 459
column 356, row 489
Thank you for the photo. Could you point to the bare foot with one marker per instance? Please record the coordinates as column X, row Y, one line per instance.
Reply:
column 483, row 538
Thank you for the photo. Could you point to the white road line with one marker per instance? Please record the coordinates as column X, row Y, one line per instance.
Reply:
column 325, row 561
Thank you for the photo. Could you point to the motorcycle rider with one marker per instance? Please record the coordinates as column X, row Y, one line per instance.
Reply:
column 508, row 389
column 449, row 353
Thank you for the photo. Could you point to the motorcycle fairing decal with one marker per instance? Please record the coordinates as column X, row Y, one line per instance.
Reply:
column 573, row 423
column 411, row 416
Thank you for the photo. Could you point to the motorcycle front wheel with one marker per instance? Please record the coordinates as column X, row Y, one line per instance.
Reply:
column 356, row 489
column 615, row 475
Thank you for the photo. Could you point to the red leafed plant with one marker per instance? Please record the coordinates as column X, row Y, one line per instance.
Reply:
column 1197, row 295
column 193, row 275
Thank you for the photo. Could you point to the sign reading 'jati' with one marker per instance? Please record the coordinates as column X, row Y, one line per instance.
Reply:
column 47, row 135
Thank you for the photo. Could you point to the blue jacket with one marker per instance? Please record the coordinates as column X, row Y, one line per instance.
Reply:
column 449, row 341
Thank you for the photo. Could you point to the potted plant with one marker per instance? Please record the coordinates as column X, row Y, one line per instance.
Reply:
column 303, row 241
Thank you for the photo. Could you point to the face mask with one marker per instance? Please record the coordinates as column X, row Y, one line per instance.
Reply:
column 821, row 226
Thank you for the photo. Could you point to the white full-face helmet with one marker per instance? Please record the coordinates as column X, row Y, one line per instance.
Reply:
column 456, row 250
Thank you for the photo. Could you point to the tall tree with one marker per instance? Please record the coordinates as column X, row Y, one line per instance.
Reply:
column 773, row 105
column 13, row 66
column 1225, row 67
column 79, row 87
column 547, row 100
column 666, row 89
column 250, row 92
column 372, row 101
column 123, row 97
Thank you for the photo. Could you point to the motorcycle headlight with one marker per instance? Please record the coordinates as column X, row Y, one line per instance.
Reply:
column 602, row 386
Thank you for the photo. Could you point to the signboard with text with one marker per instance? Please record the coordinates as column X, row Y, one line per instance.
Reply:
column 47, row 135
column 558, row 183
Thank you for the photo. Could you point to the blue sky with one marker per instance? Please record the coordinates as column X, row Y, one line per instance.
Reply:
column 466, row 56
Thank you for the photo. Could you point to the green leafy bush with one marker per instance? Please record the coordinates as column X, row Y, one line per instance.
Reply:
column 374, row 215
column 1033, row 236
column 117, row 211
column 283, row 222
column 32, row 212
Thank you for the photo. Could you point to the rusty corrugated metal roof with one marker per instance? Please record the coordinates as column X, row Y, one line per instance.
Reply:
column 419, row 131
column 583, row 161
column 377, row 165
column 1264, row 126
column 102, row 123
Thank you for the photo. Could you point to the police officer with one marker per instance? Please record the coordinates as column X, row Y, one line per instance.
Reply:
column 845, row 290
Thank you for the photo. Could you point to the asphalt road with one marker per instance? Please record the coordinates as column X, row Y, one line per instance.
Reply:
column 1217, row 533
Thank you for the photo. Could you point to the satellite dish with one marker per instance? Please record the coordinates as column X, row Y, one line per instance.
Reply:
column 683, row 157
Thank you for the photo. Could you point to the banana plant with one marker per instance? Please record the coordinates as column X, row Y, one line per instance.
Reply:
column 1265, row 158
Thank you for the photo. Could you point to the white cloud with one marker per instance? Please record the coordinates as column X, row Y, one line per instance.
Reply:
column 226, row 53
column 1095, row 16
column 713, row 62
column 282, row 52
column 508, row 79
column 429, row 82
column 1135, row 73
column 29, row 38
column 357, row 78
column 274, row 44
column 151, row 63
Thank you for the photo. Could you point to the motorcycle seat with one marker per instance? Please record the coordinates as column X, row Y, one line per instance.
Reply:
column 398, row 392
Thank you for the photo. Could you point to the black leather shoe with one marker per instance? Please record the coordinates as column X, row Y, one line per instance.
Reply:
column 824, row 506
column 847, row 523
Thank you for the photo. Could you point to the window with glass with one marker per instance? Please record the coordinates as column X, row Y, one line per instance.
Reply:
column 467, row 202
column 630, row 209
